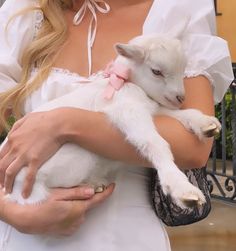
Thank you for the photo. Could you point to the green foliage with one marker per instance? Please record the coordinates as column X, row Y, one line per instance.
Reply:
column 11, row 121
column 228, row 126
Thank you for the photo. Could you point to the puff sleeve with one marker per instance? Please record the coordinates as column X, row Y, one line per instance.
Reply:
column 206, row 53
column 14, row 40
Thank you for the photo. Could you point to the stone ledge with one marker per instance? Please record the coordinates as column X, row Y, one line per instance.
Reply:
column 216, row 232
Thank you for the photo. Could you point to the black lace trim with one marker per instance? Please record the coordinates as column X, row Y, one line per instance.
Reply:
column 170, row 213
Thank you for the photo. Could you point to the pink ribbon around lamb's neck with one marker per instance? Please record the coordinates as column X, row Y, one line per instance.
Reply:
column 118, row 75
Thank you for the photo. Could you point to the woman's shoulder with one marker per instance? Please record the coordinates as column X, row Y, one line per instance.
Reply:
column 173, row 10
column 17, row 29
column 189, row 4
column 15, row 8
column 16, row 5
column 17, row 19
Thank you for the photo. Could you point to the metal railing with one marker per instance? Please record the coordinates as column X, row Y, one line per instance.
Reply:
column 216, row 9
column 221, row 168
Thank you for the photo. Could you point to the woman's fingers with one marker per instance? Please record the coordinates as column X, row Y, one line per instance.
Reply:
column 10, row 167
column 29, row 179
column 75, row 193
column 99, row 197
column 5, row 147
column 10, row 174
column 9, row 162
column 21, row 144
column 17, row 124
column 5, row 162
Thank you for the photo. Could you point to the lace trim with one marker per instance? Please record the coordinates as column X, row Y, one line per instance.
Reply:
column 38, row 22
column 57, row 70
column 65, row 72
column 192, row 73
column 99, row 74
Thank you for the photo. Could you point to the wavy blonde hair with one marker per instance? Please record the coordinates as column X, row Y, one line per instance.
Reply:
column 41, row 53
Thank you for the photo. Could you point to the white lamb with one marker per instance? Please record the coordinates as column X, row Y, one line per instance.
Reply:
column 154, row 86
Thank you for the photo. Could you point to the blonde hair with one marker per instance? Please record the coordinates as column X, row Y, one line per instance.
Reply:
column 41, row 53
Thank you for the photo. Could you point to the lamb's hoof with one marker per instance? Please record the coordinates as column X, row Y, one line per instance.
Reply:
column 100, row 189
column 211, row 130
column 192, row 201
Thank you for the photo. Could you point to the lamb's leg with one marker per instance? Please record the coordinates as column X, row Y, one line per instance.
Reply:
column 195, row 121
column 136, row 123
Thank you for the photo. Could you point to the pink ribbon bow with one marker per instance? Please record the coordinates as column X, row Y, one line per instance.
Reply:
column 118, row 74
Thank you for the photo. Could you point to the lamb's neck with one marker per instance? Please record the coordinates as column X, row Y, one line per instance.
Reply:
column 125, row 62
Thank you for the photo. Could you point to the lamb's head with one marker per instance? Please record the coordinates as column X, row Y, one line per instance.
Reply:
column 157, row 65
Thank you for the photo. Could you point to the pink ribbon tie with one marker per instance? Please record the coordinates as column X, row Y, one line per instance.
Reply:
column 118, row 75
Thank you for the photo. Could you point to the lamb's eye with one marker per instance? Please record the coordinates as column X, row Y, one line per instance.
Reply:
column 157, row 72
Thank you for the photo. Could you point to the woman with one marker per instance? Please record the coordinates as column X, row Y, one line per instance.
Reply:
column 126, row 221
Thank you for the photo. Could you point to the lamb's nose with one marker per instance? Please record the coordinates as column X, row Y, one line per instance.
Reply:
column 180, row 98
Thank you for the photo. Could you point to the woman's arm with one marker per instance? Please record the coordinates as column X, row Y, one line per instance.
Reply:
column 31, row 145
column 92, row 131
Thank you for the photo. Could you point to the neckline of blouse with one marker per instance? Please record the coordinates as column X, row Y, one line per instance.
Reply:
column 91, row 34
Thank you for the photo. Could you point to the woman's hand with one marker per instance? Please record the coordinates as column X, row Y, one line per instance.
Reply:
column 61, row 214
column 32, row 140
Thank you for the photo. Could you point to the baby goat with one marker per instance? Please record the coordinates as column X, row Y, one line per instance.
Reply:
column 151, row 68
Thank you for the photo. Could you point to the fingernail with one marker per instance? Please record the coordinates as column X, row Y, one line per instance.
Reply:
column 24, row 195
column 89, row 191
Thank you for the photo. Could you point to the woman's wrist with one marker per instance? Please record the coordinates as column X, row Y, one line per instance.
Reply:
column 75, row 124
column 67, row 124
column 60, row 119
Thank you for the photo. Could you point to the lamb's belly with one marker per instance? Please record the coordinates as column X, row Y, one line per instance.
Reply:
column 73, row 165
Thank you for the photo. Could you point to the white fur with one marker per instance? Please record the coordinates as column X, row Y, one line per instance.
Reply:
column 131, row 110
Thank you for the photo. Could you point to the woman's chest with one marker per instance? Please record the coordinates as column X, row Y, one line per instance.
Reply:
column 116, row 26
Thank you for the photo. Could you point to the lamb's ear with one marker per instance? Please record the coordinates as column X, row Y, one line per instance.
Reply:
column 131, row 51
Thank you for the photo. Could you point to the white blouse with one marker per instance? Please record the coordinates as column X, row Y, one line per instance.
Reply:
column 206, row 53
